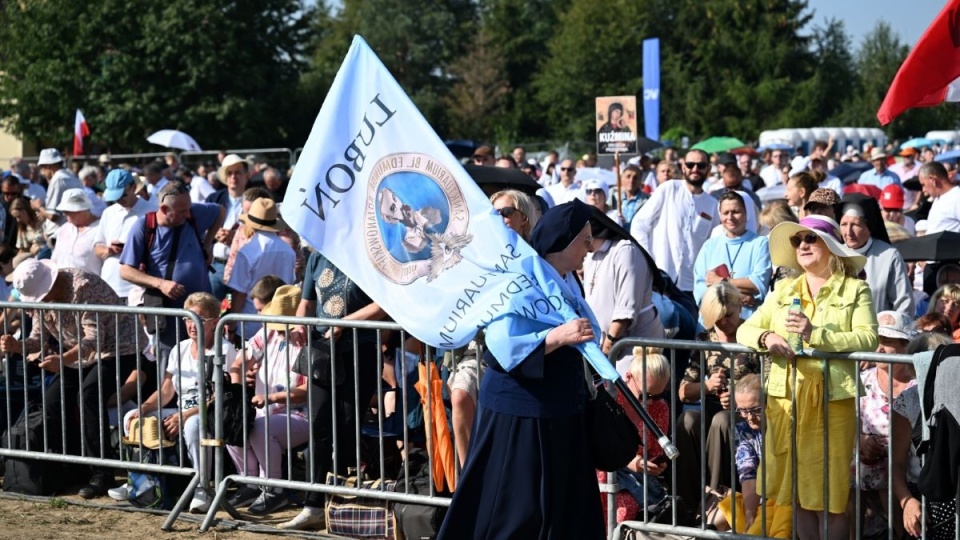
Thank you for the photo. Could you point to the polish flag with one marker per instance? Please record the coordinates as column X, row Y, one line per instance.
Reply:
column 931, row 73
column 80, row 130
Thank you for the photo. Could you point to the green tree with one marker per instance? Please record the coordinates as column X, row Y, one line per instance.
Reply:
column 733, row 67
column 417, row 40
column 822, row 98
column 475, row 102
column 521, row 30
column 596, row 50
column 226, row 73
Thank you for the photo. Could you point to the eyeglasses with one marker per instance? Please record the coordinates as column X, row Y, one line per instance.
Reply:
column 508, row 211
column 696, row 164
column 752, row 411
column 568, row 169
column 588, row 240
column 597, row 191
column 808, row 238
column 11, row 193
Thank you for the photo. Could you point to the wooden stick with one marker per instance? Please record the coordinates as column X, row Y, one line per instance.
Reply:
column 616, row 165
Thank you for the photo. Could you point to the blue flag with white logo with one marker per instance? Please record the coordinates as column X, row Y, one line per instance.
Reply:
column 651, row 88
column 378, row 194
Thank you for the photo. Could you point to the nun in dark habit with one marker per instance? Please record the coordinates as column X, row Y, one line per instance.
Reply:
column 529, row 474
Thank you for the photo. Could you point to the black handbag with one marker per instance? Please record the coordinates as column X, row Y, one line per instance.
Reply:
column 238, row 413
column 316, row 362
column 612, row 437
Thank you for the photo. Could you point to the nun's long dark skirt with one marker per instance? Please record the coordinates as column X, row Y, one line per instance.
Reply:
column 526, row 479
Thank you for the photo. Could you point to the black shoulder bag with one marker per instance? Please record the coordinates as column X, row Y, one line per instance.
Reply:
column 612, row 437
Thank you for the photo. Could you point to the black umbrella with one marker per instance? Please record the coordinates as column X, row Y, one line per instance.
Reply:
column 461, row 149
column 493, row 179
column 941, row 246
column 850, row 171
column 600, row 221
column 645, row 145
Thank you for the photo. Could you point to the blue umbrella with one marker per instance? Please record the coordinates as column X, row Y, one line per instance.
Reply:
column 850, row 171
column 920, row 142
column 948, row 157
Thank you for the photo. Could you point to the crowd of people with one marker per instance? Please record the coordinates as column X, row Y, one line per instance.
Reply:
column 741, row 238
column 750, row 248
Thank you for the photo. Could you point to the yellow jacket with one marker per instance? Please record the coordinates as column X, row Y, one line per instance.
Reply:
column 843, row 320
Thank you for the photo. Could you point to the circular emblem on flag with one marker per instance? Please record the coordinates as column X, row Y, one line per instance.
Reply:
column 415, row 218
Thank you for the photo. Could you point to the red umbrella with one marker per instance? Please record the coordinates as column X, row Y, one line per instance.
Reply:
column 865, row 189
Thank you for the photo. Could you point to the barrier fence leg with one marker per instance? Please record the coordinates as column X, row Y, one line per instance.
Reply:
column 181, row 503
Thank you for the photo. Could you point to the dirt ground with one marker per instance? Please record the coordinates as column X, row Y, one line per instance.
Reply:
column 73, row 518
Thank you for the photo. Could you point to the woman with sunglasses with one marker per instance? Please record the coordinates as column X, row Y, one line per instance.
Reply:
column 836, row 315
column 518, row 210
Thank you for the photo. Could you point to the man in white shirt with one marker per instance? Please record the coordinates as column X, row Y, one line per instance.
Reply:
column 59, row 179
column 773, row 174
column 115, row 225
column 569, row 188
column 234, row 173
column 265, row 254
column 676, row 221
column 944, row 214
column 153, row 174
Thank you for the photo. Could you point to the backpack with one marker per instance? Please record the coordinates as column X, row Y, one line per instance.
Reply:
column 418, row 521
column 28, row 476
column 148, row 489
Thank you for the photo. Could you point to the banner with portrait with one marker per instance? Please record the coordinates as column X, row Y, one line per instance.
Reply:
column 616, row 125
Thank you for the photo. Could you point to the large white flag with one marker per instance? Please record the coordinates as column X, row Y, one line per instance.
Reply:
column 378, row 193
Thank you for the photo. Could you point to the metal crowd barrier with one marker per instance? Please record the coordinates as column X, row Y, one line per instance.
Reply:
column 349, row 338
column 642, row 527
column 71, row 316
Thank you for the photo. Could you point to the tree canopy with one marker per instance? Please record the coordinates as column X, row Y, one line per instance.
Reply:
column 255, row 72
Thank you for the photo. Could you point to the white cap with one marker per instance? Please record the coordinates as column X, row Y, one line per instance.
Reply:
column 49, row 156
column 74, row 200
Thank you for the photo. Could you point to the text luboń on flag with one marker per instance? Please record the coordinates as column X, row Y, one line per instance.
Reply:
column 378, row 194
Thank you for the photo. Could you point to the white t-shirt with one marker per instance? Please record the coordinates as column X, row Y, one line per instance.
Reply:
column 115, row 225
column 200, row 189
column 563, row 194
column 62, row 180
column 944, row 214
column 74, row 249
column 673, row 225
column 220, row 250
column 277, row 358
column 184, row 368
column 266, row 254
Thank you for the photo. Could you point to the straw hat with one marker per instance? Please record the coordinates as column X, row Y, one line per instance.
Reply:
column 284, row 304
column 152, row 433
column 262, row 215
column 784, row 254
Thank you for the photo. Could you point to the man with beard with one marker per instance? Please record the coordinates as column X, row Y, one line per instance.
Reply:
column 676, row 221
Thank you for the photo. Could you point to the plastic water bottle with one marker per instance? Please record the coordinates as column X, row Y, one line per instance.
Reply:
column 794, row 340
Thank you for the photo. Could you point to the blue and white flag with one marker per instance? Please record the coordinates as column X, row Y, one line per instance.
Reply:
column 378, row 194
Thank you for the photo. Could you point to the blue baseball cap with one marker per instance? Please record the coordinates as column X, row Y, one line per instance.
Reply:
column 117, row 180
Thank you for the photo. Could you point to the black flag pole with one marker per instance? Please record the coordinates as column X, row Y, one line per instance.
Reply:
column 669, row 448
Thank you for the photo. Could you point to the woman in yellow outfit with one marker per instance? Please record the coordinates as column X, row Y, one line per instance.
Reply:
column 836, row 316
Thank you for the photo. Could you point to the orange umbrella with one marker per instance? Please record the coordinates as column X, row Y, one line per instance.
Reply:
column 439, row 442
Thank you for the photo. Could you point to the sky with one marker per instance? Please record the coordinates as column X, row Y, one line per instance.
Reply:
column 860, row 16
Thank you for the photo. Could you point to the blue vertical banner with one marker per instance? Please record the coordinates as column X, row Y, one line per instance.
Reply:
column 651, row 88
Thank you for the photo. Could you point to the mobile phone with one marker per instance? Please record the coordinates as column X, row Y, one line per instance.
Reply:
column 659, row 460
